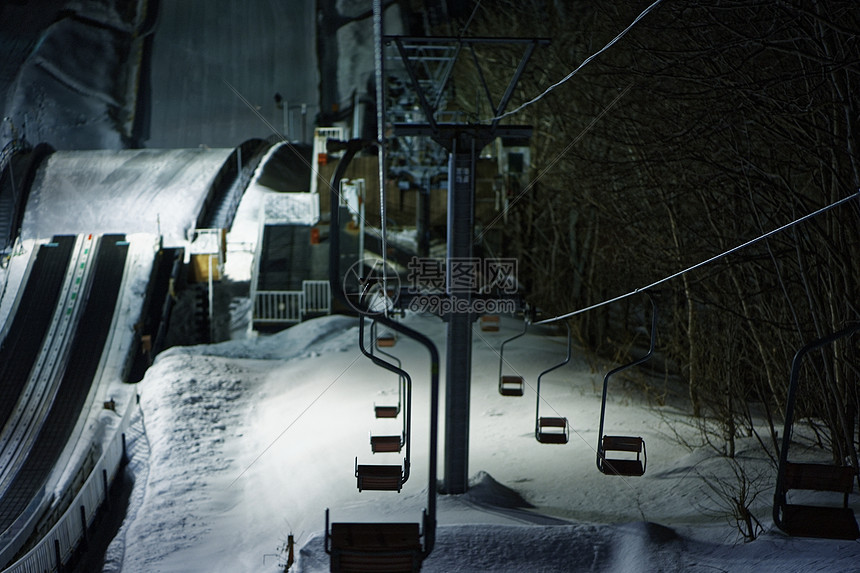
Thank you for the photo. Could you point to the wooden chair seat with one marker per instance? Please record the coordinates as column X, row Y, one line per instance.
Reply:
column 817, row 521
column 548, row 430
column 385, row 444
column 511, row 385
column 379, row 477
column 632, row 468
column 386, row 411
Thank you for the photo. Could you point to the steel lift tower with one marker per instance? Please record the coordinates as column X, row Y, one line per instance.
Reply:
column 429, row 62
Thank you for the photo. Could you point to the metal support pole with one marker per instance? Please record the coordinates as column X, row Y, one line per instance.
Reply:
column 304, row 122
column 422, row 221
column 461, row 200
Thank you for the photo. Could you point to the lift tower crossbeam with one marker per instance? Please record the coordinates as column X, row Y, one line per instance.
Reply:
column 464, row 142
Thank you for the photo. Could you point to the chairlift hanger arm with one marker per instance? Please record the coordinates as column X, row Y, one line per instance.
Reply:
column 396, row 360
column 502, row 348
column 624, row 367
column 566, row 358
column 537, row 389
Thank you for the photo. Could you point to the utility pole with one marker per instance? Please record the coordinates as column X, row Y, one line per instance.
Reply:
column 464, row 142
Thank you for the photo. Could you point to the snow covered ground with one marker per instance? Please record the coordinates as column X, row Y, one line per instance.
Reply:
column 243, row 442
column 154, row 191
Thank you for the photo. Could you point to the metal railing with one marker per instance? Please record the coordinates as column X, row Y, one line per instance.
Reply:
column 292, row 306
column 70, row 531
column 279, row 306
column 317, row 297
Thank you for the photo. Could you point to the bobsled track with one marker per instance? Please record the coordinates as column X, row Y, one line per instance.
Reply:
column 74, row 292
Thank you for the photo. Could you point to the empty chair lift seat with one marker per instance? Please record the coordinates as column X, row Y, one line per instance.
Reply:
column 378, row 477
column 819, row 521
column 510, row 385
column 385, row 444
column 490, row 323
column 623, row 466
column 375, row 547
column 552, row 430
column 386, row 340
column 386, row 411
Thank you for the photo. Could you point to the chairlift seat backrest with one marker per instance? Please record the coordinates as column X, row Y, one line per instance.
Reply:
column 385, row 444
column 553, row 436
column 379, row 477
column 386, row 411
column 819, row 477
column 510, row 385
column 623, row 444
column 490, row 323
column 375, row 547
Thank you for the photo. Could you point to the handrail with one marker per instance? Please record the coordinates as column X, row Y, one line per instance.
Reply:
column 600, row 451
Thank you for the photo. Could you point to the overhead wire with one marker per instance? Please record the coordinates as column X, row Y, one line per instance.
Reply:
column 579, row 67
column 855, row 195
column 542, row 398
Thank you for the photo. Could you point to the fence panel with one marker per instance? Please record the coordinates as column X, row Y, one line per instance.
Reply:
column 278, row 306
column 317, row 297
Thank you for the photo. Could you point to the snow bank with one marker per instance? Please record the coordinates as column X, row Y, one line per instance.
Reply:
column 251, row 440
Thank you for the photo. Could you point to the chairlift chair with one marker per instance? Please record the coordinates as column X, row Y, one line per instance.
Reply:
column 510, row 384
column 386, row 340
column 374, row 547
column 386, row 444
column 490, row 323
column 552, row 430
column 379, row 477
column 831, row 522
column 629, row 445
